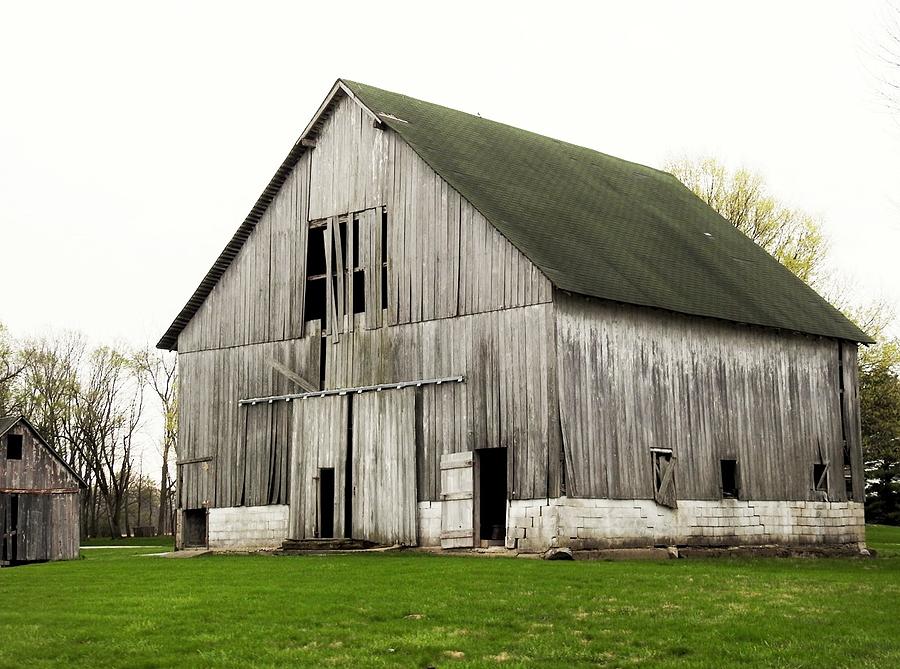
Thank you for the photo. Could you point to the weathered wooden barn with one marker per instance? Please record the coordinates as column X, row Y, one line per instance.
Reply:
column 435, row 329
column 39, row 498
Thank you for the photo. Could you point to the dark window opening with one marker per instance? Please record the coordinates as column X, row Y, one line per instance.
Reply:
column 492, row 493
column 316, row 299
column 820, row 477
column 384, row 287
column 323, row 359
column 326, row 503
column 315, row 252
column 194, row 531
column 729, row 478
column 14, row 447
column 848, row 481
column 359, row 292
column 314, row 307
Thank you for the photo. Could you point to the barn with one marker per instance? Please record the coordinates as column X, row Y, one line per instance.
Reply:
column 39, row 498
column 434, row 329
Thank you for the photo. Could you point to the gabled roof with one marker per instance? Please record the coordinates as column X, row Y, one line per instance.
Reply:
column 594, row 224
column 7, row 423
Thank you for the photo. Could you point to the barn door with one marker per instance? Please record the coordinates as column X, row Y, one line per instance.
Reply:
column 457, row 491
column 384, row 467
column 320, row 450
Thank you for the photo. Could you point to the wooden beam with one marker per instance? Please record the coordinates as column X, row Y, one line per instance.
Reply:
column 291, row 375
column 309, row 143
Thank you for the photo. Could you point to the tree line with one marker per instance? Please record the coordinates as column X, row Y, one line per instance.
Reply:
column 92, row 403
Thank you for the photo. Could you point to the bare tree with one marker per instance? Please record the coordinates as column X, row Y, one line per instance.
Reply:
column 11, row 366
column 107, row 412
column 793, row 237
column 160, row 372
column 887, row 57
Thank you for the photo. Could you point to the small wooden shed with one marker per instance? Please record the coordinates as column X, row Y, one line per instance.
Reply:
column 39, row 497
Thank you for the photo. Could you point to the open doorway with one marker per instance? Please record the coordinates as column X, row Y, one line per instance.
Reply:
column 326, row 503
column 194, row 532
column 491, row 495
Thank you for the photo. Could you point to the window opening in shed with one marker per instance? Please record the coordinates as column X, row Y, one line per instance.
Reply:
column 326, row 503
column 492, row 494
column 14, row 447
column 194, row 532
column 729, row 478
column 820, row 477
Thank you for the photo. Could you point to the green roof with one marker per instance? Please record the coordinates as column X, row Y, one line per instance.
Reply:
column 605, row 227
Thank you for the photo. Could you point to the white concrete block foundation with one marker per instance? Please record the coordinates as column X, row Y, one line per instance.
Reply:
column 247, row 527
column 582, row 524
column 606, row 523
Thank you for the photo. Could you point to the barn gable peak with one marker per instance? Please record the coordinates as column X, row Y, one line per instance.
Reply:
column 7, row 423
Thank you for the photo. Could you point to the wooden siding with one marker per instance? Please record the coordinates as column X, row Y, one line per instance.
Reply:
column 505, row 401
column 444, row 258
column 852, row 425
column 632, row 379
column 47, row 501
column 320, row 440
column 384, row 466
column 248, row 448
column 47, row 527
column 37, row 470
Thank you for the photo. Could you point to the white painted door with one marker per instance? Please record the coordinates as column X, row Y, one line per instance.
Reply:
column 457, row 510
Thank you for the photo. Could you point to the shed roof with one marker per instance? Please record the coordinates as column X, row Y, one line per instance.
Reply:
column 594, row 224
column 7, row 423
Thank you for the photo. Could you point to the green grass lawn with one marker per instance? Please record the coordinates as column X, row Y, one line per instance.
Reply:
column 115, row 608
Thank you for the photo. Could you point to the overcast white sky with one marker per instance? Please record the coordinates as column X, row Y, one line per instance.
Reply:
column 135, row 138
